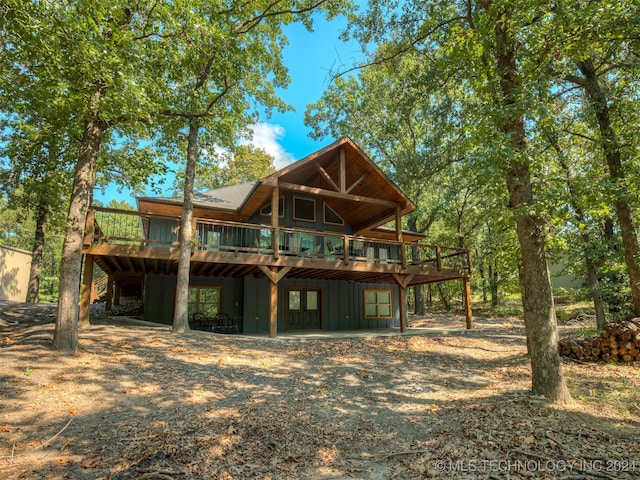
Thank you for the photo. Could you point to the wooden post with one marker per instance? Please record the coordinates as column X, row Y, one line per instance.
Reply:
column 438, row 258
column 343, row 171
column 400, row 237
column 345, row 249
column 467, row 302
column 402, row 293
column 116, row 295
column 85, row 298
column 273, row 310
column 275, row 211
column 109, row 297
column 403, row 282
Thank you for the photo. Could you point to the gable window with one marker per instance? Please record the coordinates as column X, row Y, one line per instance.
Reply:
column 204, row 299
column 266, row 210
column 331, row 217
column 377, row 305
column 304, row 209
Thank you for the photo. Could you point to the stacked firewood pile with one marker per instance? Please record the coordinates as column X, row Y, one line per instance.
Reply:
column 618, row 342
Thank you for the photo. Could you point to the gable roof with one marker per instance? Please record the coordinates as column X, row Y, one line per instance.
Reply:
column 340, row 173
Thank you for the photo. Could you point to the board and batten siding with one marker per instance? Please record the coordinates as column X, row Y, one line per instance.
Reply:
column 15, row 265
column 163, row 230
column 161, row 292
column 342, row 302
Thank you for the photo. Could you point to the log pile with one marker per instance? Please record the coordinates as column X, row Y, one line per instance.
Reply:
column 618, row 342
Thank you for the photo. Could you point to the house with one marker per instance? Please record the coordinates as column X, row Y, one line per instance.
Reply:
column 323, row 259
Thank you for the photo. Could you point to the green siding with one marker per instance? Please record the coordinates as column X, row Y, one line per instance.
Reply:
column 160, row 295
column 256, row 305
column 159, row 298
column 164, row 230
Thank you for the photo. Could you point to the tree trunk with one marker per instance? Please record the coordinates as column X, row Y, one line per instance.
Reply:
column 66, row 332
column 596, row 295
column 418, row 290
column 33, row 288
column 590, row 263
column 539, row 313
column 181, row 310
column 483, row 282
column 493, row 285
column 418, row 293
column 611, row 149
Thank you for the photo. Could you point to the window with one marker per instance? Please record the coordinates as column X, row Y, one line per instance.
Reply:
column 304, row 209
column 377, row 305
column 331, row 217
column 204, row 299
column 266, row 210
column 294, row 300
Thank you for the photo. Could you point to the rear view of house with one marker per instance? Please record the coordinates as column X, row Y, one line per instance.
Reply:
column 306, row 248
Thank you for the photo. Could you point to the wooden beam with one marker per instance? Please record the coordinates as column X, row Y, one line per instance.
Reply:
column 343, row 171
column 403, row 282
column 468, row 314
column 327, row 177
column 273, row 306
column 274, row 274
column 109, row 297
column 330, row 193
column 116, row 295
column 85, row 299
column 275, row 212
column 357, row 182
column 402, row 296
column 132, row 268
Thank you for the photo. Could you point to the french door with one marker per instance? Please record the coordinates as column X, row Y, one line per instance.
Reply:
column 303, row 312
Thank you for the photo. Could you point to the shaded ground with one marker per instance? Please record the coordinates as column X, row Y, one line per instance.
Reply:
column 139, row 402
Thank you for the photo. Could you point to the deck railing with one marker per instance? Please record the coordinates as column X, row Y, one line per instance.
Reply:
column 124, row 227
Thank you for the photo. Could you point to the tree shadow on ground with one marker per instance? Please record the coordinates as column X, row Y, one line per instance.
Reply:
column 148, row 404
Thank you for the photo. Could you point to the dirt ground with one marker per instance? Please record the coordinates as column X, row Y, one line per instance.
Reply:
column 138, row 402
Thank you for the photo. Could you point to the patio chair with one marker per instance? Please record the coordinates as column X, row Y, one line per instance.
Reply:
column 223, row 323
column 199, row 321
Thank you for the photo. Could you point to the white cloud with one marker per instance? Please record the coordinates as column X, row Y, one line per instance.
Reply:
column 267, row 136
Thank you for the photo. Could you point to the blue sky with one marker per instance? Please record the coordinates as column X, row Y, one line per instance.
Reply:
column 310, row 56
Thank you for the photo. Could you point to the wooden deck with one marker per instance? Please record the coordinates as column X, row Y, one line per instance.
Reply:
column 123, row 245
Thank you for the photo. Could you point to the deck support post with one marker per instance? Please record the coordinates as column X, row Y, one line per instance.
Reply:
column 403, row 283
column 467, row 302
column 108, row 301
column 273, row 308
column 275, row 212
column 402, row 293
column 400, row 237
column 274, row 275
column 117, row 291
column 85, row 295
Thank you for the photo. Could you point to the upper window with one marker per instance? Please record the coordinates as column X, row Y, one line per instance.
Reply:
column 331, row 217
column 304, row 209
column 266, row 210
column 377, row 305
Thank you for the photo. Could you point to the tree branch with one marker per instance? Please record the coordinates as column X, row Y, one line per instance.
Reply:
column 402, row 50
column 580, row 135
column 248, row 25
